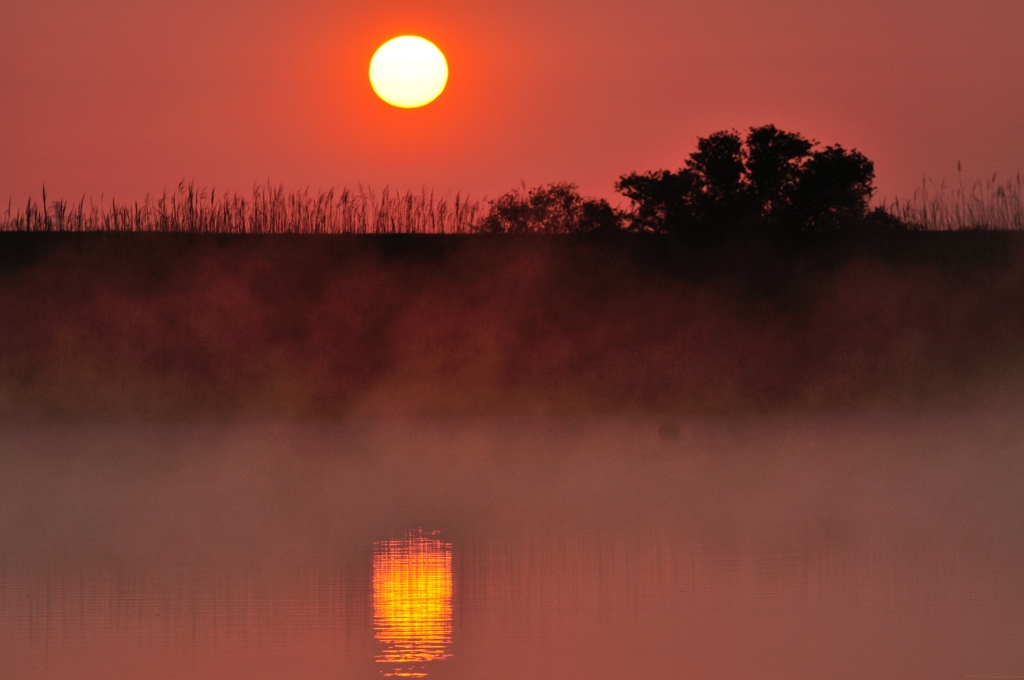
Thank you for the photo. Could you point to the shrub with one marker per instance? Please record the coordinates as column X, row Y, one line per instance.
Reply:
column 552, row 209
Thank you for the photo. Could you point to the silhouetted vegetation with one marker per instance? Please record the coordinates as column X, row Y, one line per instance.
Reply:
column 939, row 207
column 267, row 210
column 552, row 209
column 770, row 184
column 773, row 181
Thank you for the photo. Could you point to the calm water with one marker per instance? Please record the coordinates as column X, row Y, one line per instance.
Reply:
column 842, row 546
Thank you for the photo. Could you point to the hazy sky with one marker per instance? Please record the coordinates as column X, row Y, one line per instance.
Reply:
column 125, row 97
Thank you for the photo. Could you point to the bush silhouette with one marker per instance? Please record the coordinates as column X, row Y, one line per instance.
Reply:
column 773, row 180
column 552, row 209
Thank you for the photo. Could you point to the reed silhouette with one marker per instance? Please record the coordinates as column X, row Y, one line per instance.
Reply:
column 942, row 207
column 692, row 299
column 267, row 210
column 768, row 184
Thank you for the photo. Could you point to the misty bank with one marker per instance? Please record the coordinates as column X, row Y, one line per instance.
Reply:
column 172, row 326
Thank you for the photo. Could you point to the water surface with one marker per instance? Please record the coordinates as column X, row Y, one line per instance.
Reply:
column 798, row 547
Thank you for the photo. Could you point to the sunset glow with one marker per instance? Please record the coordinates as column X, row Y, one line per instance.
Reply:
column 537, row 91
column 408, row 72
column 412, row 603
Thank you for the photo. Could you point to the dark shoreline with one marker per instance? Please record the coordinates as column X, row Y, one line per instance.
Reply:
column 182, row 326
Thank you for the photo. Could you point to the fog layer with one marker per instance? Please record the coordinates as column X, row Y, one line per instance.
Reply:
column 169, row 327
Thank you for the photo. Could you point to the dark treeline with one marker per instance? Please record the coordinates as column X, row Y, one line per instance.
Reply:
column 772, row 184
column 768, row 184
column 754, row 277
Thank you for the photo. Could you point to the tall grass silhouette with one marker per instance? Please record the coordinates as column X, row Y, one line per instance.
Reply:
column 268, row 210
column 986, row 205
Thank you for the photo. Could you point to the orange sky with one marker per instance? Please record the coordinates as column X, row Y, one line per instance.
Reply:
column 125, row 97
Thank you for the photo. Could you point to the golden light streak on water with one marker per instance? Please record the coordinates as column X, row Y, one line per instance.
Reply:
column 412, row 603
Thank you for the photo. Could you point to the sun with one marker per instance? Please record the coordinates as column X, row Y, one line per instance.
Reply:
column 408, row 72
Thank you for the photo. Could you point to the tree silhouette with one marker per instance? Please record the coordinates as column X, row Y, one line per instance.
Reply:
column 774, row 165
column 719, row 168
column 773, row 180
column 661, row 198
column 833, row 189
column 552, row 209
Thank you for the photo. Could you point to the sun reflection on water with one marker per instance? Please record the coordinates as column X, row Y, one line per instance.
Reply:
column 412, row 603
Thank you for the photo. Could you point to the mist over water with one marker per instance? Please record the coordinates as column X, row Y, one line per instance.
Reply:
column 525, row 458
column 861, row 544
column 114, row 327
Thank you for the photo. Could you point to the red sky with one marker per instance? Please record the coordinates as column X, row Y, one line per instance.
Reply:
column 125, row 97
